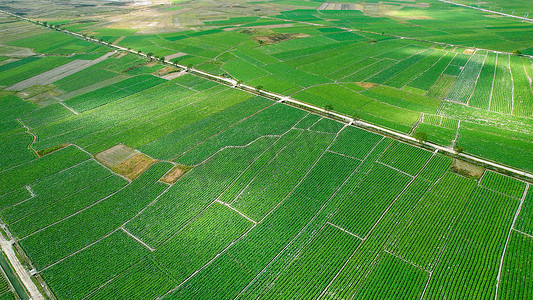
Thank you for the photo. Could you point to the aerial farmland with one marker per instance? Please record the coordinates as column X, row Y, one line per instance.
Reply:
column 276, row 149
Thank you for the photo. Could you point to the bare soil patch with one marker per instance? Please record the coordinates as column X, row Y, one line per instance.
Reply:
column 367, row 85
column 165, row 70
column 175, row 173
column 469, row 51
column 115, row 155
column 467, row 169
column 134, row 166
column 265, row 36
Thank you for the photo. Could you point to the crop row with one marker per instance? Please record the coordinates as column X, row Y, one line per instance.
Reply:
column 406, row 158
column 523, row 94
column 503, row 184
column 502, row 93
column 482, row 93
column 426, row 80
column 465, row 84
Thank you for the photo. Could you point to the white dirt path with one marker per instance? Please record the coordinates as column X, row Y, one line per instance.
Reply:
column 22, row 273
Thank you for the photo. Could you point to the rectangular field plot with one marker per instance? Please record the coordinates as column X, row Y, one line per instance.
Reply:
column 502, row 90
column 78, row 275
column 503, row 184
column 517, row 269
column 355, row 142
column 425, row 237
column 70, row 234
column 469, row 263
column 365, row 202
column 270, row 186
column 195, row 191
column 308, row 274
column 206, row 236
column 524, row 222
column 405, row 158
column 393, row 278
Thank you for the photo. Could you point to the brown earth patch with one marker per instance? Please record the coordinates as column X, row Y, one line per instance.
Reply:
column 467, row 169
column 175, row 173
column 114, row 155
column 165, row 70
column 134, row 166
column 469, row 51
column 367, row 85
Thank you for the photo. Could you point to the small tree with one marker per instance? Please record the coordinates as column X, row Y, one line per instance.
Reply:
column 356, row 117
column 189, row 67
column 517, row 52
column 259, row 88
column 150, row 55
column 328, row 107
column 459, row 149
column 238, row 83
column 420, row 136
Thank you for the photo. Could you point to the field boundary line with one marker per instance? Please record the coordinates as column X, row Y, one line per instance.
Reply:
column 347, row 156
column 426, row 286
column 487, row 10
column 30, row 146
column 406, row 261
column 207, row 264
column 137, row 239
column 344, row 230
column 456, row 133
column 267, row 163
column 225, row 128
column 389, row 166
column 413, row 178
column 526, row 234
column 28, row 188
column 76, row 213
column 77, row 251
column 512, row 87
column 69, row 108
column 240, row 213
column 507, row 241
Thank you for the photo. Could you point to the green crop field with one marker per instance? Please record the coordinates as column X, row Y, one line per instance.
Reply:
column 366, row 150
